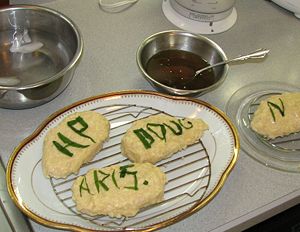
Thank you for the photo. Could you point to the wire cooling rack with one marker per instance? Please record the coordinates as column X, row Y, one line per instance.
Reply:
column 188, row 172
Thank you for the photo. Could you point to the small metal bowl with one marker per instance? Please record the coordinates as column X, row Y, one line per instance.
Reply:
column 183, row 41
column 39, row 51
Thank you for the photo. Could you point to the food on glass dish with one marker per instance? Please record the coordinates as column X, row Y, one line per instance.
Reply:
column 119, row 191
column 277, row 116
column 157, row 137
column 73, row 142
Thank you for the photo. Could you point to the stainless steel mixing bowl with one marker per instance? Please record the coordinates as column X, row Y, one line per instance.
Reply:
column 185, row 41
column 39, row 51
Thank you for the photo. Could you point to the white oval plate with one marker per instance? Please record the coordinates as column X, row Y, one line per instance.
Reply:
column 194, row 175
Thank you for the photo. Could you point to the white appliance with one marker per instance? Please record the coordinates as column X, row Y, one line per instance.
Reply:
column 201, row 16
column 291, row 5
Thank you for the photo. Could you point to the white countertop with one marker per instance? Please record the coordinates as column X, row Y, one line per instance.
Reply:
column 252, row 192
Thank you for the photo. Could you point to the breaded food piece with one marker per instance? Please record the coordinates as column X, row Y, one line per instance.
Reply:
column 277, row 116
column 119, row 191
column 73, row 142
column 159, row 136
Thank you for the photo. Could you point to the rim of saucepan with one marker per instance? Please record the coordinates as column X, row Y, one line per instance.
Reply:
column 72, row 62
column 185, row 33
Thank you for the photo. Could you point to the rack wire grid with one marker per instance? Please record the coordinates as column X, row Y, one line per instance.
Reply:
column 188, row 173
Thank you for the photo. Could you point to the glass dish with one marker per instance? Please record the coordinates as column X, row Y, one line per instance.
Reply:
column 280, row 153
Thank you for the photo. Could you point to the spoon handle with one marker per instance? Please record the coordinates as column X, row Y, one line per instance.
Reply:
column 258, row 54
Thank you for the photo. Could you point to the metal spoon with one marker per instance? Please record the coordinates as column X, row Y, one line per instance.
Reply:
column 258, row 54
column 9, row 81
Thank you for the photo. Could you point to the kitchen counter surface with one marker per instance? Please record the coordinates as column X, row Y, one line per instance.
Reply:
column 252, row 192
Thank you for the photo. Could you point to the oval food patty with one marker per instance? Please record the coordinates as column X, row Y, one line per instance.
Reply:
column 277, row 116
column 118, row 190
column 159, row 136
column 73, row 142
